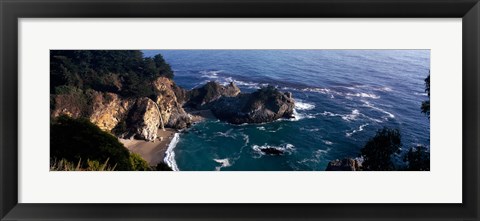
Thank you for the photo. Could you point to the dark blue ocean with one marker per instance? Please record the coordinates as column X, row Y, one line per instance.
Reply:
column 342, row 98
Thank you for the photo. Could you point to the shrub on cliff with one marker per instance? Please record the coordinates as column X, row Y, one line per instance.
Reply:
column 138, row 163
column 92, row 165
column 377, row 153
column 77, row 139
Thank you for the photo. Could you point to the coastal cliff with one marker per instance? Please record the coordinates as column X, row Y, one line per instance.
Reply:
column 135, row 101
column 141, row 117
column 126, row 117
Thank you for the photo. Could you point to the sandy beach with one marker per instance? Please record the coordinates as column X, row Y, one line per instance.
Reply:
column 152, row 152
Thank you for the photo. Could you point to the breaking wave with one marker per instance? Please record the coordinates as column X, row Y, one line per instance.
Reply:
column 347, row 117
column 349, row 134
column 170, row 154
column 286, row 148
column 223, row 163
column 300, row 105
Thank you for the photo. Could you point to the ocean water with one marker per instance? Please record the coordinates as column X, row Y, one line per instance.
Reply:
column 342, row 98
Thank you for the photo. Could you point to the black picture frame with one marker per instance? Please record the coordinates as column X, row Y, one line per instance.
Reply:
column 12, row 10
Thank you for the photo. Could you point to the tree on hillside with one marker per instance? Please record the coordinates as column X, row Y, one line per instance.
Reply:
column 426, row 104
column 418, row 159
column 377, row 153
column 115, row 71
column 79, row 140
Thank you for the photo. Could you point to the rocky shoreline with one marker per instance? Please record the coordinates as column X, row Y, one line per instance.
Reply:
column 145, row 125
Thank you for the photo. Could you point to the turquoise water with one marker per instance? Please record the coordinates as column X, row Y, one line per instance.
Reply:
column 342, row 98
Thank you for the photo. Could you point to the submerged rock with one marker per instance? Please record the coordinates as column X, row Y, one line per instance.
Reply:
column 347, row 164
column 265, row 105
column 271, row 151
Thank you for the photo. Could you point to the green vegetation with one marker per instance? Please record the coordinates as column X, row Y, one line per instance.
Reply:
column 138, row 163
column 378, row 151
column 426, row 104
column 92, row 165
column 418, row 159
column 125, row 72
column 163, row 167
column 75, row 139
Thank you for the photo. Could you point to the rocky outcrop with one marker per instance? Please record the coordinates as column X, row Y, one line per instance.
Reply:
column 69, row 105
column 271, row 151
column 141, row 117
column 199, row 98
column 264, row 105
column 108, row 109
column 144, row 119
column 127, row 117
column 347, row 164
column 171, row 110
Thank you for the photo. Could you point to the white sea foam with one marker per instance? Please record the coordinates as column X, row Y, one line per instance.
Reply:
column 223, row 163
column 284, row 148
column 363, row 95
column 246, row 138
column 210, row 74
column 320, row 152
column 250, row 85
column 170, row 154
column 349, row 117
column 370, row 105
column 318, row 90
column 298, row 116
column 300, row 105
column 227, row 133
column 327, row 142
column 261, row 128
column 385, row 89
column 420, row 94
column 349, row 134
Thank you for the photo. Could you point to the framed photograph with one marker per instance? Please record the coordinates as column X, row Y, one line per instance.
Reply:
column 256, row 110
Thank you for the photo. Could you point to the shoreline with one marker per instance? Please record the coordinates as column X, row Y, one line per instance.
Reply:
column 153, row 152
column 161, row 150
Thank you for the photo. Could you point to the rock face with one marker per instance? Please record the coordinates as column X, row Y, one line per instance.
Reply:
column 144, row 119
column 172, row 113
column 108, row 110
column 199, row 98
column 141, row 117
column 264, row 105
column 127, row 117
column 347, row 164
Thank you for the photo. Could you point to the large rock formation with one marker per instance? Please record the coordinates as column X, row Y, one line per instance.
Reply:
column 108, row 109
column 347, row 164
column 264, row 105
column 171, row 111
column 199, row 98
column 127, row 117
column 141, row 117
column 144, row 119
